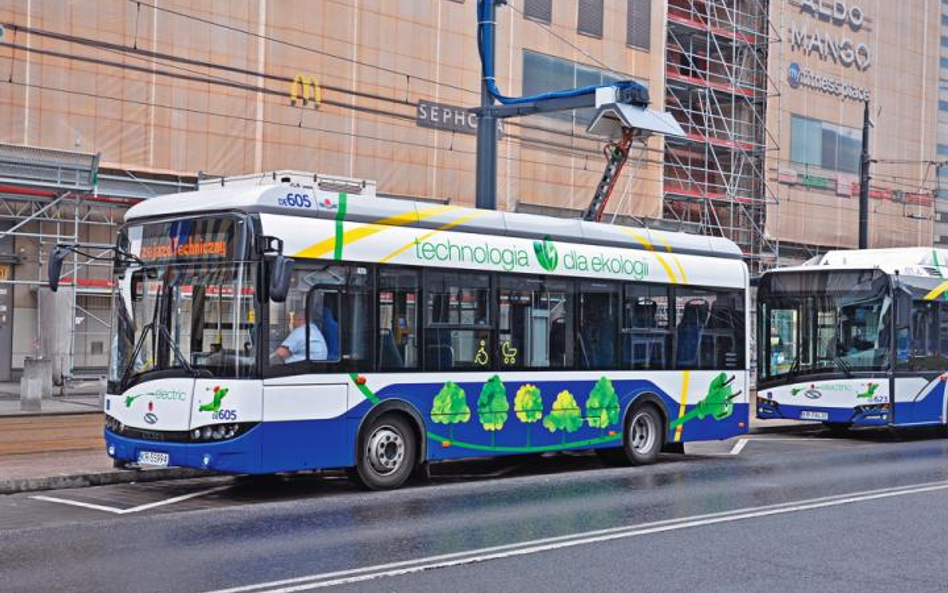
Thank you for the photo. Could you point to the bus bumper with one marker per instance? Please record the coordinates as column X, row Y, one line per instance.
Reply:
column 867, row 415
column 239, row 455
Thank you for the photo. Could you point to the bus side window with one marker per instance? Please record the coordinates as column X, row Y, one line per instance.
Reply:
column 646, row 336
column 321, row 333
column 284, row 319
column 457, row 321
column 353, row 314
column 598, row 324
column 398, row 319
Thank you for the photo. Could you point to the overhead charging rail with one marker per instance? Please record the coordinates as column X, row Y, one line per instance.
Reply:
column 622, row 115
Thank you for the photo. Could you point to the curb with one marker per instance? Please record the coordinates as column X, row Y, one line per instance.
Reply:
column 119, row 476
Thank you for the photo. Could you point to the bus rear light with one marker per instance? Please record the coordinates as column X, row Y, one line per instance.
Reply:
column 943, row 378
column 740, row 425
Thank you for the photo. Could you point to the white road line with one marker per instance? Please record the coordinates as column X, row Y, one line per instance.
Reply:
column 739, row 446
column 139, row 508
column 79, row 503
column 367, row 573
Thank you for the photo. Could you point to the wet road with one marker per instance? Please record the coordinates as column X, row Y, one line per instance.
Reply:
column 790, row 512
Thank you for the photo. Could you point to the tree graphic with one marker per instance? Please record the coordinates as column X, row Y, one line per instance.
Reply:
column 450, row 407
column 528, row 405
column 492, row 406
column 602, row 406
column 565, row 415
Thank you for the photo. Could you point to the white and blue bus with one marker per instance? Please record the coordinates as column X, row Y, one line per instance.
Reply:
column 292, row 326
column 855, row 338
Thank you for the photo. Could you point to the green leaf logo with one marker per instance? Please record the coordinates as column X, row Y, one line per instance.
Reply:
column 215, row 404
column 546, row 254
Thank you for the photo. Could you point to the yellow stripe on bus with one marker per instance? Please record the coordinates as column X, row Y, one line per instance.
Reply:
column 648, row 246
column 936, row 292
column 426, row 236
column 681, row 268
column 367, row 230
column 684, row 403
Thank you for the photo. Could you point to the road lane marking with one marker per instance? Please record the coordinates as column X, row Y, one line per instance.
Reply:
column 78, row 503
column 739, row 446
column 357, row 575
column 139, row 508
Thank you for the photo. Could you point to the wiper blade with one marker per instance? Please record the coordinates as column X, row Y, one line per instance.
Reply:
column 135, row 352
column 844, row 366
column 177, row 351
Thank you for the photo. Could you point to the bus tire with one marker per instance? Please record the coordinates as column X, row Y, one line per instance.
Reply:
column 387, row 453
column 644, row 434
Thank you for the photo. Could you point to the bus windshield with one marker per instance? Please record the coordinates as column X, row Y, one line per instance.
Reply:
column 196, row 319
column 824, row 322
column 187, row 307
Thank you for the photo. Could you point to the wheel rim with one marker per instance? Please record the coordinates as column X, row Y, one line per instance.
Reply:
column 642, row 433
column 385, row 449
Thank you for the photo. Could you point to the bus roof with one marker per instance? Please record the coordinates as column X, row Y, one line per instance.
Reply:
column 287, row 199
column 907, row 261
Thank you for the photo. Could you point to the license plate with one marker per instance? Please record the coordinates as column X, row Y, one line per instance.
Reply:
column 153, row 458
column 811, row 415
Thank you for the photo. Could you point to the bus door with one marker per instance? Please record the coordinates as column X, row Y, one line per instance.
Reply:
column 306, row 398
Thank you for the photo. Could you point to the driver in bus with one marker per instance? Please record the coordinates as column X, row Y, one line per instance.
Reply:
column 293, row 348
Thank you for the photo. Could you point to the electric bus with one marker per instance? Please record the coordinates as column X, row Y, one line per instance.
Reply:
column 305, row 323
column 855, row 338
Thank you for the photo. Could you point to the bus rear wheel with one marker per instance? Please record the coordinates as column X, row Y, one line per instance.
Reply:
column 387, row 453
column 644, row 435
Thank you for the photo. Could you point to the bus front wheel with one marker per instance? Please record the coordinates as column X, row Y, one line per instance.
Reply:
column 643, row 435
column 387, row 453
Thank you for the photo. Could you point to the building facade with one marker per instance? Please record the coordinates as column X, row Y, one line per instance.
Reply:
column 160, row 93
column 832, row 57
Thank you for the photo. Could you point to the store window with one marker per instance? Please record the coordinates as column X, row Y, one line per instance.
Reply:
column 824, row 145
column 543, row 73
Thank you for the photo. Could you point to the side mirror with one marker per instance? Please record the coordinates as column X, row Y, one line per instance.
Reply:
column 55, row 266
column 281, row 272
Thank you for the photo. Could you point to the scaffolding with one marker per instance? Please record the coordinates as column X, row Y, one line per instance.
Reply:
column 50, row 196
column 717, row 87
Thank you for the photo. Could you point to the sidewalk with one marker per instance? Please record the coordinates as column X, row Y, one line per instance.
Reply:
column 80, row 397
column 50, row 451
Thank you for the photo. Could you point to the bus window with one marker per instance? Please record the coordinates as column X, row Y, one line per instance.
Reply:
column 398, row 319
column 354, row 317
column 284, row 319
column 709, row 332
column 598, row 324
column 535, row 323
column 458, row 324
column 646, row 336
column 923, row 354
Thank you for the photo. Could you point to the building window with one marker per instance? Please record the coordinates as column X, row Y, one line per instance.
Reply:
column 540, row 10
column 542, row 73
column 589, row 18
column 943, row 106
column 943, row 150
column 944, row 41
column 943, row 62
column 638, row 31
column 824, row 145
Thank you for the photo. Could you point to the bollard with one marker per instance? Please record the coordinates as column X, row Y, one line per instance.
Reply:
column 36, row 383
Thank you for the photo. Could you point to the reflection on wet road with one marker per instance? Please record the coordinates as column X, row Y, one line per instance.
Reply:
column 249, row 531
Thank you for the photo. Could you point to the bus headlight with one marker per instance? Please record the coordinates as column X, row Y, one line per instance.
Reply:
column 206, row 433
column 196, row 434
